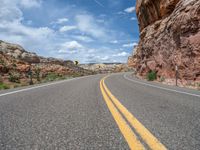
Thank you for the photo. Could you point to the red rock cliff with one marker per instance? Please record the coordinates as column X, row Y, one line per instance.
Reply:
column 169, row 36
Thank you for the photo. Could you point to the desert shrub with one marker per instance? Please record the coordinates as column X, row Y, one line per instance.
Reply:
column 151, row 76
column 3, row 86
column 14, row 77
column 52, row 77
column 162, row 79
column 37, row 73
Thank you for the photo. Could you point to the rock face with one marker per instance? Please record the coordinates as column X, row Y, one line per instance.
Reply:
column 13, row 58
column 169, row 36
column 18, row 52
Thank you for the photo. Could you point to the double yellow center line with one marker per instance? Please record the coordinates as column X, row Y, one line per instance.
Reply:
column 125, row 120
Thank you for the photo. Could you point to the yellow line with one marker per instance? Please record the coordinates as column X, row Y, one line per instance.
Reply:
column 126, row 131
column 146, row 135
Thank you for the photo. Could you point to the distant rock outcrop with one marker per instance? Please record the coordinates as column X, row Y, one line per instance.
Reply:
column 18, row 52
column 14, row 58
column 107, row 68
column 169, row 36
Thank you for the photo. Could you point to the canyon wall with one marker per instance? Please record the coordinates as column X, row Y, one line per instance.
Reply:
column 169, row 36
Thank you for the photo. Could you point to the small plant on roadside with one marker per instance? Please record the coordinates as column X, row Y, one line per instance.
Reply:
column 37, row 73
column 162, row 79
column 14, row 77
column 3, row 86
column 52, row 77
column 151, row 76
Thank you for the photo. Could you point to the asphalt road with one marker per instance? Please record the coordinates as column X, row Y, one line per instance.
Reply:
column 75, row 115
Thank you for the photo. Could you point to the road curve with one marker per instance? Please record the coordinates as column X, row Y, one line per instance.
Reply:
column 75, row 115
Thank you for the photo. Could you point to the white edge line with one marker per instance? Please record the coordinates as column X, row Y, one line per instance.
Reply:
column 36, row 87
column 167, row 89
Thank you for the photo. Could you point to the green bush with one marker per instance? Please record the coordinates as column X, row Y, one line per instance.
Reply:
column 14, row 77
column 37, row 73
column 151, row 76
column 52, row 77
column 3, row 86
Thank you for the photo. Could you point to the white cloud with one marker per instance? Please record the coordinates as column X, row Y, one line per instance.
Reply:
column 87, row 24
column 130, row 45
column 83, row 38
column 133, row 18
column 121, row 54
column 10, row 12
column 70, row 47
column 114, row 42
column 16, row 28
column 67, row 28
column 121, row 13
column 130, row 9
column 30, row 3
column 13, row 30
column 105, row 58
column 62, row 20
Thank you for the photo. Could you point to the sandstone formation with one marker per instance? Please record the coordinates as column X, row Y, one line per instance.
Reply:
column 15, row 60
column 169, row 36
column 107, row 68
column 18, row 52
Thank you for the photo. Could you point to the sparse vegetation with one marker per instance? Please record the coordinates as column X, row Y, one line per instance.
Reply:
column 151, row 76
column 14, row 77
column 37, row 73
column 52, row 77
column 3, row 86
column 162, row 79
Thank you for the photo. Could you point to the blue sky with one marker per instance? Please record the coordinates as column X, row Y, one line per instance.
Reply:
column 90, row 31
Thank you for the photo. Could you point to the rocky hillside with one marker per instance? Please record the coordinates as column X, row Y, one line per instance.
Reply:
column 107, row 68
column 16, row 64
column 169, row 36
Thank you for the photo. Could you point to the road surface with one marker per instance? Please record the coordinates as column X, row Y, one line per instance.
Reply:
column 100, row 112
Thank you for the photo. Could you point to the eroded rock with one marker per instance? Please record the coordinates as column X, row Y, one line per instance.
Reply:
column 169, row 36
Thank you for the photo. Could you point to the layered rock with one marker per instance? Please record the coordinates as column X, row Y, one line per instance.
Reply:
column 169, row 36
column 107, row 68
column 14, row 58
column 18, row 52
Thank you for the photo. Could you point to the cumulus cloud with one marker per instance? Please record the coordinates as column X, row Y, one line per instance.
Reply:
column 133, row 18
column 87, row 24
column 67, row 28
column 114, row 42
column 15, row 27
column 30, row 3
column 70, row 47
column 62, row 20
column 83, row 38
column 130, row 45
column 130, row 9
column 13, row 30
column 121, row 54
